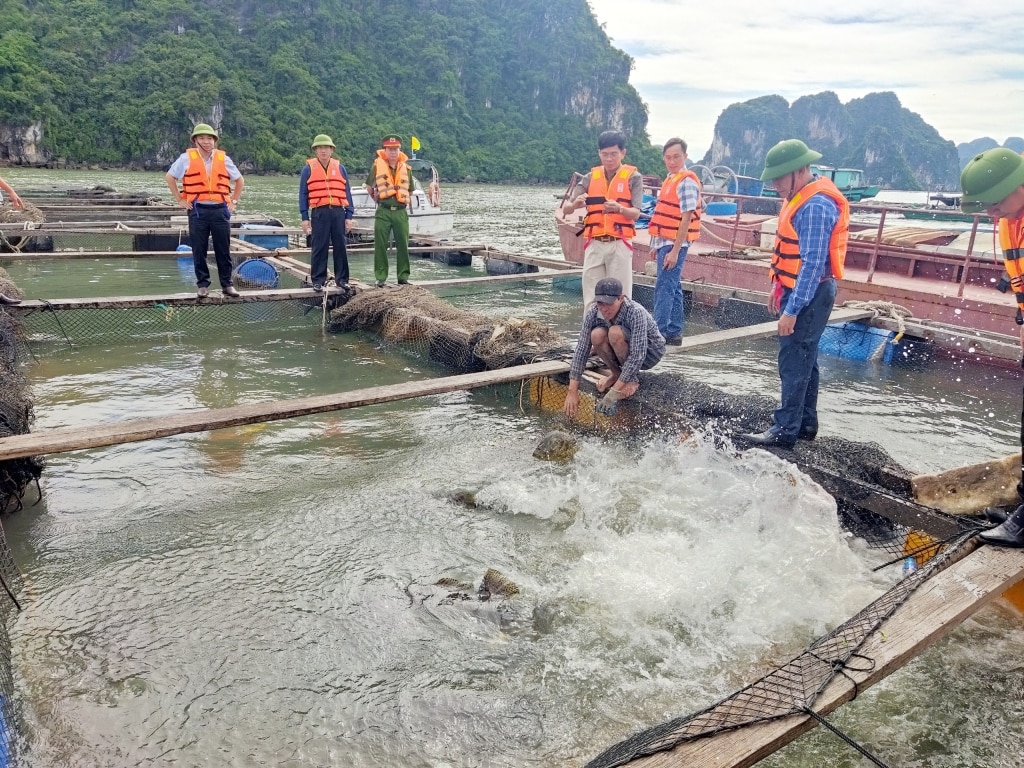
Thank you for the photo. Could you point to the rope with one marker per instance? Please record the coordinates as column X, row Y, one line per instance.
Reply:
column 723, row 241
column 56, row 316
column 885, row 309
column 845, row 738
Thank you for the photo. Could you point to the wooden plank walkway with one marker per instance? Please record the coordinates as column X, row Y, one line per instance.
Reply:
column 938, row 606
column 65, row 439
column 761, row 330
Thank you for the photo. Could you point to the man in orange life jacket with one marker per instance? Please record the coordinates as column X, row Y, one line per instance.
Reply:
column 612, row 194
column 994, row 182
column 206, row 174
column 390, row 184
column 810, row 249
column 674, row 225
column 326, row 208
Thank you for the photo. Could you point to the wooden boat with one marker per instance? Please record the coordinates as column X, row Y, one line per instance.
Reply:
column 950, row 276
column 850, row 182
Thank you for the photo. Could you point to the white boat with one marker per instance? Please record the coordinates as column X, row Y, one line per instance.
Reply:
column 427, row 217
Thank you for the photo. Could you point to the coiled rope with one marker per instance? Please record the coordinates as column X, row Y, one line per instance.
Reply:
column 885, row 309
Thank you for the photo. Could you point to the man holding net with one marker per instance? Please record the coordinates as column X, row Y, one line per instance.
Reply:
column 626, row 338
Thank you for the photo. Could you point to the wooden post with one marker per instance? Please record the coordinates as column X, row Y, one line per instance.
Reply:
column 874, row 252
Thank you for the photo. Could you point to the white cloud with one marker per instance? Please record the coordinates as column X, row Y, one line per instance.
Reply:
column 961, row 67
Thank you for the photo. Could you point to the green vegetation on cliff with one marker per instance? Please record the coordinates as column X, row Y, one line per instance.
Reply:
column 497, row 90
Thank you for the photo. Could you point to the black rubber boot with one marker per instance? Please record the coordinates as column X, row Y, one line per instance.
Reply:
column 1010, row 533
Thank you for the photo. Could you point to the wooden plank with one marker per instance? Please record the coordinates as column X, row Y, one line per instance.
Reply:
column 169, row 300
column 761, row 330
column 66, row 439
column 939, row 606
column 525, row 277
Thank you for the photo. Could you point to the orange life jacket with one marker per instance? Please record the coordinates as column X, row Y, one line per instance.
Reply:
column 326, row 186
column 600, row 224
column 391, row 184
column 786, row 259
column 202, row 188
column 1011, row 240
column 665, row 220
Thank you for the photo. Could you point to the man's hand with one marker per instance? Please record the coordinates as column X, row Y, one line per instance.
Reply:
column 306, row 227
column 775, row 300
column 670, row 259
column 786, row 325
column 572, row 403
column 608, row 404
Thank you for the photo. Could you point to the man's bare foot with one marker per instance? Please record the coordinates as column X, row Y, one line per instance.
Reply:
column 607, row 382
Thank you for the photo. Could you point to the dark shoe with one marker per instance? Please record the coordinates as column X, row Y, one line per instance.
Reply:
column 770, row 437
column 231, row 291
column 995, row 515
column 674, row 341
column 1009, row 534
column 806, row 433
column 380, row 283
column 404, row 282
column 5, row 299
column 317, row 287
column 345, row 287
column 202, row 292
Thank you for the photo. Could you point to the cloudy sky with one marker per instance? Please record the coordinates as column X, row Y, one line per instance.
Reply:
column 957, row 63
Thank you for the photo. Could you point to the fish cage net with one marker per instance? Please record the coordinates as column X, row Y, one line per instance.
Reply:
column 428, row 327
column 792, row 688
column 49, row 329
column 16, row 476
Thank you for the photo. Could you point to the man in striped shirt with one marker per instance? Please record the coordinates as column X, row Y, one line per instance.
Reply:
column 626, row 338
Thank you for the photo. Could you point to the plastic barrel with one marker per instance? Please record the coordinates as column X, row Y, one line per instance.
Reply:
column 720, row 209
column 256, row 273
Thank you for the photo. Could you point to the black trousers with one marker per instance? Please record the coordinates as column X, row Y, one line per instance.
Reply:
column 328, row 230
column 204, row 222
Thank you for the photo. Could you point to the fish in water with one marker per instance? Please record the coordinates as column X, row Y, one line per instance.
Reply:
column 556, row 446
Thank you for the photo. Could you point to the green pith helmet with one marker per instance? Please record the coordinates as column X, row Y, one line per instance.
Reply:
column 990, row 178
column 322, row 140
column 787, row 156
column 203, row 129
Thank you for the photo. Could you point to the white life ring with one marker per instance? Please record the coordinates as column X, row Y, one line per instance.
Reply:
column 434, row 193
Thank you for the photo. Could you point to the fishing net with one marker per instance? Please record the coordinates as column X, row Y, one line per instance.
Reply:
column 792, row 688
column 15, row 477
column 424, row 325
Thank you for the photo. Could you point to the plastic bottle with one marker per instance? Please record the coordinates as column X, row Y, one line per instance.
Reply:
column 909, row 566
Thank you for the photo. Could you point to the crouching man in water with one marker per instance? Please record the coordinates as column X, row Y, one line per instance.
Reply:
column 993, row 182
column 626, row 338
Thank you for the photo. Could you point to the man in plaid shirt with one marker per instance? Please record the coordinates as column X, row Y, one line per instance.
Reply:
column 626, row 338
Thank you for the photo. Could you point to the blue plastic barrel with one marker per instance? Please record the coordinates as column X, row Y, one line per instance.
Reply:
column 257, row 273
column 720, row 209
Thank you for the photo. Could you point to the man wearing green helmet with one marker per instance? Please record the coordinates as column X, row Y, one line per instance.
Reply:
column 326, row 208
column 206, row 174
column 993, row 182
column 810, row 249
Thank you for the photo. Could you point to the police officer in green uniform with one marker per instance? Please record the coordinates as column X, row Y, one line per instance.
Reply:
column 390, row 183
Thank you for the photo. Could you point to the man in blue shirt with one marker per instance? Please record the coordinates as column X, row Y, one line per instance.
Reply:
column 207, row 174
column 326, row 209
column 810, row 247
